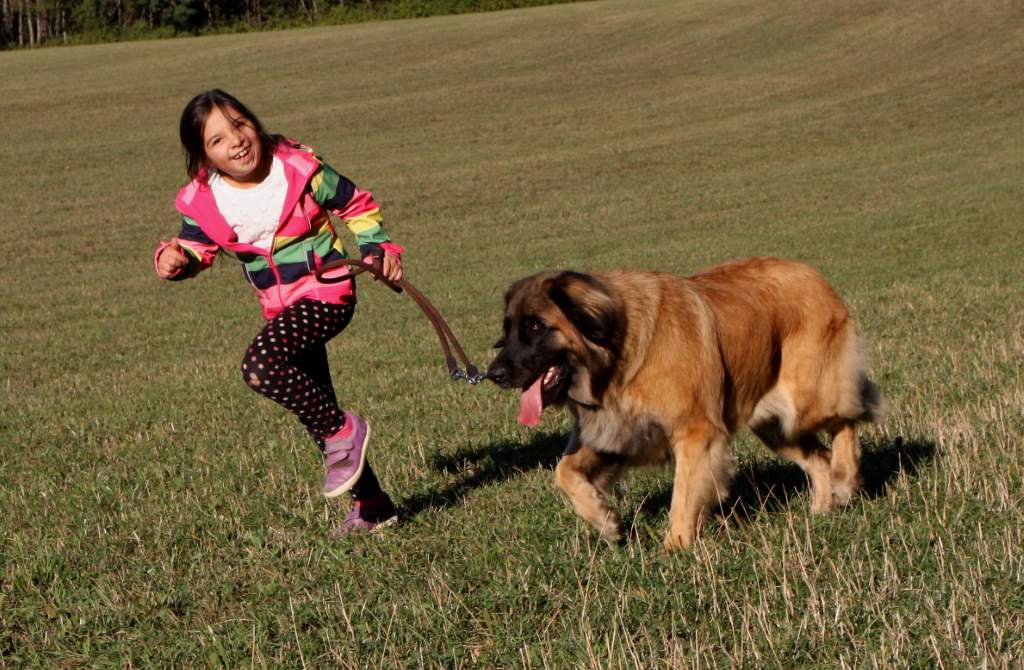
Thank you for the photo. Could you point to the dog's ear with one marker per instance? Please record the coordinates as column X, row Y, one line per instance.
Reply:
column 593, row 311
column 589, row 306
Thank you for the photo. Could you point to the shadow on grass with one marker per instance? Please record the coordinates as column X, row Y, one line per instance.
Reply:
column 769, row 485
column 468, row 469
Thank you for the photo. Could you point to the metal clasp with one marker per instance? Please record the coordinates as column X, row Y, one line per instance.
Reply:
column 474, row 377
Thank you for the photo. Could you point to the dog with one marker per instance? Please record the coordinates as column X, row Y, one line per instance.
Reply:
column 660, row 369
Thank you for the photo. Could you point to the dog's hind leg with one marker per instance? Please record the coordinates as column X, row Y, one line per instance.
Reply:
column 775, row 422
column 845, row 463
column 815, row 460
column 812, row 457
column 586, row 477
column 703, row 472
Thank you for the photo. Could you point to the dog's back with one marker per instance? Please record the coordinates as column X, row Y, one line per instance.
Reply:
column 790, row 346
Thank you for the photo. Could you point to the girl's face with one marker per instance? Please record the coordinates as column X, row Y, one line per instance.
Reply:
column 233, row 147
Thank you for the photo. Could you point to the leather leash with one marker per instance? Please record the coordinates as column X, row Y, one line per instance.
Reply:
column 444, row 333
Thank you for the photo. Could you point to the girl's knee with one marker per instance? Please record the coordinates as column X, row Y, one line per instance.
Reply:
column 255, row 375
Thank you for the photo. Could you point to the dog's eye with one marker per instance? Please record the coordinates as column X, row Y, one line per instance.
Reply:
column 531, row 328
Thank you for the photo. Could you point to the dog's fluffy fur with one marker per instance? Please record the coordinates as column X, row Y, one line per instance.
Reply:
column 662, row 369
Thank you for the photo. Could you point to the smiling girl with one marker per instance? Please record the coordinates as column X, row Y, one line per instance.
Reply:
column 265, row 199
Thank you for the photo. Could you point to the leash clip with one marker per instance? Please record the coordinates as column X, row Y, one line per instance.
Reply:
column 473, row 376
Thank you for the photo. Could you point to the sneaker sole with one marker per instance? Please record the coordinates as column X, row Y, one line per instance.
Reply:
column 334, row 493
column 376, row 531
column 384, row 525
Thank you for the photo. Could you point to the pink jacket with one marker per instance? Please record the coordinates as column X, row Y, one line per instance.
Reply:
column 304, row 241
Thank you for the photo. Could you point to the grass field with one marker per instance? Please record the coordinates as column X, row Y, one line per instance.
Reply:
column 157, row 513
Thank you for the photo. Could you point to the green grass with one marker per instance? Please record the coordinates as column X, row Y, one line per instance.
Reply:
column 157, row 513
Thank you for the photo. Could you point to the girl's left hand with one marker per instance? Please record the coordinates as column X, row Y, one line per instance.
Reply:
column 392, row 266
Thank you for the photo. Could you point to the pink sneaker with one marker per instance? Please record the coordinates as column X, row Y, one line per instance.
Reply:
column 369, row 515
column 344, row 457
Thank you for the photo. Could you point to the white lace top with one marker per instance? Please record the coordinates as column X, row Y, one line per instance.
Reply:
column 253, row 213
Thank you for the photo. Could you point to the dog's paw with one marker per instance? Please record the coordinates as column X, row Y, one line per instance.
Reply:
column 842, row 494
column 611, row 532
column 677, row 541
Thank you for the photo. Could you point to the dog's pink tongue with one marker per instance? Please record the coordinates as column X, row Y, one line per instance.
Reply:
column 531, row 404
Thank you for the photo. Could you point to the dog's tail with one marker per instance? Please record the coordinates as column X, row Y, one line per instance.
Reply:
column 860, row 399
column 874, row 406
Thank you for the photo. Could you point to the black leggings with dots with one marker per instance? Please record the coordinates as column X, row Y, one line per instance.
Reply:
column 287, row 362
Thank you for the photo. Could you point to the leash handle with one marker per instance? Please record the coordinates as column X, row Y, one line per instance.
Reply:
column 444, row 332
column 358, row 268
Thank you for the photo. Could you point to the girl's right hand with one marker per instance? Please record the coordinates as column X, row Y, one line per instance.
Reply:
column 171, row 260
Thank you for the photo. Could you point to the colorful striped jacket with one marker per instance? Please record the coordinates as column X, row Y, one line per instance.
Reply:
column 305, row 238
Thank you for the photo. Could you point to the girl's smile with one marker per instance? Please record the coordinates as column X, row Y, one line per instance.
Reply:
column 233, row 148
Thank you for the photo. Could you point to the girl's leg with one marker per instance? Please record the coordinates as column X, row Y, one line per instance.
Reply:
column 270, row 364
column 314, row 363
column 287, row 362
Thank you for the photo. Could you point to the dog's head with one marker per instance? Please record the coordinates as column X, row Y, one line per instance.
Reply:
column 561, row 339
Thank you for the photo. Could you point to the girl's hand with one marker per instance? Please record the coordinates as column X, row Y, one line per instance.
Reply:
column 171, row 260
column 392, row 267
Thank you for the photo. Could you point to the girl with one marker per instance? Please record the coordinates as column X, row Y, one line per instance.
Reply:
column 265, row 199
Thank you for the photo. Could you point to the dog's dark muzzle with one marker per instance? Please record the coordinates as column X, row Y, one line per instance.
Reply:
column 498, row 372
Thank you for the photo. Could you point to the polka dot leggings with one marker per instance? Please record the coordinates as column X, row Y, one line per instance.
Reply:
column 287, row 362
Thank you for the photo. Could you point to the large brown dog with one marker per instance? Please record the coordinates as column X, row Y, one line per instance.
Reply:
column 661, row 369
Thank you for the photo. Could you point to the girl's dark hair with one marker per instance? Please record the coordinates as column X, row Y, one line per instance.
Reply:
column 193, row 120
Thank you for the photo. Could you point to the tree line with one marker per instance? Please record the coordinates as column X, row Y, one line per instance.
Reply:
column 30, row 23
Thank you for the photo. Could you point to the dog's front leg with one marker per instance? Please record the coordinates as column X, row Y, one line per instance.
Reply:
column 586, row 477
column 703, row 471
